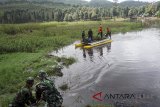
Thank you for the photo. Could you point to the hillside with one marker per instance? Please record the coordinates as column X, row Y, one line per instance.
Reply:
column 132, row 3
column 58, row 1
column 100, row 3
column 71, row 1
column 97, row 3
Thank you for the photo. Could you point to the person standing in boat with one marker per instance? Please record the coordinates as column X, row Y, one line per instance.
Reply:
column 100, row 31
column 83, row 36
column 90, row 35
column 108, row 32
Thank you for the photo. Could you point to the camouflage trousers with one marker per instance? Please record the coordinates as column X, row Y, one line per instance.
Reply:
column 53, row 100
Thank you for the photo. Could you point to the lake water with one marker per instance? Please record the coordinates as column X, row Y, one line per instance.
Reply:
column 125, row 73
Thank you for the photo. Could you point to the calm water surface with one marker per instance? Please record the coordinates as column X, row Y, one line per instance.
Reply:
column 129, row 65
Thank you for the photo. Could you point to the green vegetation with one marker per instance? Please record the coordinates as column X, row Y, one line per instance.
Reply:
column 26, row 11
column 30, row 38
column 24, row 49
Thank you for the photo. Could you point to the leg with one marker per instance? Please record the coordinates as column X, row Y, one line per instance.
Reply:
column 107, row 35
column 101, row 35
column 110, row 35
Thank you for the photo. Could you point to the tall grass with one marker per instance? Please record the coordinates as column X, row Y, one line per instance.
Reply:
column 31, row 37
column 30, row 43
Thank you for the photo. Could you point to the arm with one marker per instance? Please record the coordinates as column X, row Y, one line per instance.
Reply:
column 25, row 95
column 32, row 100
column 38, row 92
column 58, row 96
column 56, row 92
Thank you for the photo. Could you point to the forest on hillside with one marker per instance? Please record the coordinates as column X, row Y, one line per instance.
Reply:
column 33, row 11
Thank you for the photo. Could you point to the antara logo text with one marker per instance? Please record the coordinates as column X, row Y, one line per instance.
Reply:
column 100, row 96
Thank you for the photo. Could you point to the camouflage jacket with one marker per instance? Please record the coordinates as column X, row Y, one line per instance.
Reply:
column 46, row 91
column 23, row 97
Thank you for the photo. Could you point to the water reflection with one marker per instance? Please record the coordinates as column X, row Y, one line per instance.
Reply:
column 99, row 49
column 84, row 53
column 108, row 47
column 90, row 52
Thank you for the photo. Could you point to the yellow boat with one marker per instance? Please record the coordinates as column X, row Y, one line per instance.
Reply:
column 93, row 44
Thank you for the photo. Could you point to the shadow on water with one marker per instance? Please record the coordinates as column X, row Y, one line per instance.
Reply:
column 99, row 49
column 128, row 66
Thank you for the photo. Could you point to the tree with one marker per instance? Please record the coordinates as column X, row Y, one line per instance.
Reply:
column 158, row 14
column 81, row 15
column 85, row 15
column 94, row 15
column 66, row 17
column 75, row 16
column 150, row 9
column 89, row 15
column 114, row 11
column 132, row 12
column 70, row 17
column 56, row 18
column 141, row 10
column 158, row 6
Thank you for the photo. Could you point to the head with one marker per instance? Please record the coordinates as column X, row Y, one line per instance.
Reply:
column 42, row 75
column 30, row 81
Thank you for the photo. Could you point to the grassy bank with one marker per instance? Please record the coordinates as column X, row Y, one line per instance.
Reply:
column 32, row 37
column 24, row 48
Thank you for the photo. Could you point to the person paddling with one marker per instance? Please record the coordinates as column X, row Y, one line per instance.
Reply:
column 90, row 35
column 100, row 31
column 108, row 32
column 83, row 36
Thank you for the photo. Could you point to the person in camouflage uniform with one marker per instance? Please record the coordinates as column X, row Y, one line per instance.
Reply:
column 24, row 96
column 46, row 91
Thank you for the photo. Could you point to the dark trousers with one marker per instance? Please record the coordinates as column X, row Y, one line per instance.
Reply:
column 109, row 34
column 91, row 37
column 101, row 34
column 83, row 39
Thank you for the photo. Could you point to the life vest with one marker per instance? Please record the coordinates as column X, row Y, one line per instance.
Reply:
column 108, row 30
column 100, row 29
